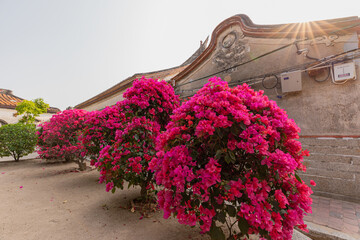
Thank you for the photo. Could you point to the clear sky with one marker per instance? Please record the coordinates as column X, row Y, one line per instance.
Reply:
column 67, row 51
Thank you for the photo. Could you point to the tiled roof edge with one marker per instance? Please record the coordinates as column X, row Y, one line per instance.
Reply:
column 291, row 30
column 118, row 87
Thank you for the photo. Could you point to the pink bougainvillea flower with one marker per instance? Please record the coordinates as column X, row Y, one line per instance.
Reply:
column 312, row 182
column 120, row 139
column 3, row 173
column 232, row 152
column 60, row 137
column 21, row 187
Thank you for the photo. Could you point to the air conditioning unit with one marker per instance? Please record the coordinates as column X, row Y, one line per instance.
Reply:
column 344, row 71
column 291, row 81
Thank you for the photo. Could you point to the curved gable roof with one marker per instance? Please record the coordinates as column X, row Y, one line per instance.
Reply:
column 292, row 30
column 9, row 101
column 166, row 74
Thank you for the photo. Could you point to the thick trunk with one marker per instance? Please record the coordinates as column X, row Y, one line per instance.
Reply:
column 82, row 166
column 143, row 191
column 16, row 157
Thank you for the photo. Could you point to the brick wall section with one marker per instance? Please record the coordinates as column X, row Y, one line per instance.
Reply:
column 334, row 164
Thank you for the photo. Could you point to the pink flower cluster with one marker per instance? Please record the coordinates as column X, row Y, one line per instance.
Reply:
column 225, row 152
column 59, row 137
column 153, row 99
column 100, row 128
column 131, row 128
column 232, row 152
column 128, row 158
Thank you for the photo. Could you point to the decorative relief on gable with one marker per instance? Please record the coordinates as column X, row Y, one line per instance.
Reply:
column 327, row 40
column 232, row 50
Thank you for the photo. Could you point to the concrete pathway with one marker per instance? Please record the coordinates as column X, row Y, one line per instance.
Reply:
column 335, row 214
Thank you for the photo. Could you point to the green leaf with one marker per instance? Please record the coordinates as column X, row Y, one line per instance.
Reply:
column 136, row 137
column 216, row 233
column 31, row 109
column 298, row 178
column 231, row 210
column 227, row 158
column 243, row 225
column 232, row 156
column 218, row 154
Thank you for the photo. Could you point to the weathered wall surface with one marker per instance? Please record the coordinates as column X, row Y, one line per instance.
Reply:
column 321, row 108
column 334, row 164
column 241, row 52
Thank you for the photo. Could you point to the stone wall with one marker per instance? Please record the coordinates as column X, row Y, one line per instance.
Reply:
column 334, row 164
column 320, row 108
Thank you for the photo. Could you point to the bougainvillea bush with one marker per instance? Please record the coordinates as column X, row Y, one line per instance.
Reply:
column 229, row 157
column 127, row 159
column 100, row 128
column 59, row 137
column 145, row 110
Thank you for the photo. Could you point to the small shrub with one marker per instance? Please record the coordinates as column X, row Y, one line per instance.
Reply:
column 30, row 110
column 17, row 140
column 59, row 138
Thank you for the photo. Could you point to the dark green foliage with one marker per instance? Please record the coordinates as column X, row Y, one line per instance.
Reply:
column 17, row 140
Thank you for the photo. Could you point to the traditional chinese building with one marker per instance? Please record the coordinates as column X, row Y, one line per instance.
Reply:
column 114, row 94
column 8, row 103
column 310, row 69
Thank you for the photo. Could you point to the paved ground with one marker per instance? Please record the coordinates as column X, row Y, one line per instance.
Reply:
column 27, row 157
column 52, row 201
column 340, row 215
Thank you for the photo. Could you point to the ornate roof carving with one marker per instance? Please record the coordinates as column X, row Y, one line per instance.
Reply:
column 321, row 31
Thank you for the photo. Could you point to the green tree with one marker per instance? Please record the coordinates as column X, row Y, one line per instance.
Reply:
column 17, row 140
column 30, row 110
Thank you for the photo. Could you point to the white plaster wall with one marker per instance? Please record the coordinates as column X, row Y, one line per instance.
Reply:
column 44, row 117
column 7, row 115
column 104, row 103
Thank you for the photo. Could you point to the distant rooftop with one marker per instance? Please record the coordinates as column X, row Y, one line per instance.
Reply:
column 9, row 101
column 165, row 74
